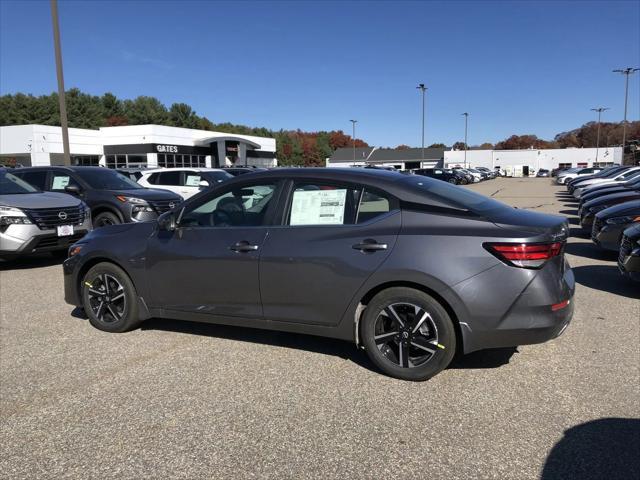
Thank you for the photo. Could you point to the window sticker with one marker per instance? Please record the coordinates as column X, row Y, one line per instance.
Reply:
column 192, row 181
column 318, row 207
column 59, row 183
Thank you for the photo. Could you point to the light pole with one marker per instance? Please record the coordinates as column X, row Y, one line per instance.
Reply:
column 422, row 88
column 626, row 72
column 466, row 119
column 353, row 138
column 599, row 110
column 63, row 106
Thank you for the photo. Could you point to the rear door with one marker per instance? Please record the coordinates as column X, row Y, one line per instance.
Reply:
column 332, row 238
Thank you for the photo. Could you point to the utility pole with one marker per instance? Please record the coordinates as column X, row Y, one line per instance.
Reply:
column 422, row 88
column 599, row 110
column 61, row 99
column 626, row 72
column 353, row 138
column 466, row 119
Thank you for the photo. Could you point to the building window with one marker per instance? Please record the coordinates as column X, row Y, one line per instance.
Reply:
column 130, row 160
column 170, row 160
column 602, row 164
column 85, row 160
column 564, row 165
column 583, row 164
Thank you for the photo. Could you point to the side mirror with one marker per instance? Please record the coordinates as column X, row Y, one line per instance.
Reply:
column 72, row 189
column 167, row 222
column 203, row 184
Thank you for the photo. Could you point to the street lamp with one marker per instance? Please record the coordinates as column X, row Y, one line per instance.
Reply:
column 63, row 107
column 353, row 138
column 626, row 72
column 422, row 88
column 599, row 110
column 466, row 119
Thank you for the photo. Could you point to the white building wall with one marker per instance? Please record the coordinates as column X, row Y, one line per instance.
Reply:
column 535, row 159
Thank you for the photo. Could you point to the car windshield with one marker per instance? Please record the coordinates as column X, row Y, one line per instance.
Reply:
column 611, row 173
column 457, row 197
column 12, row 185
column 106, row 179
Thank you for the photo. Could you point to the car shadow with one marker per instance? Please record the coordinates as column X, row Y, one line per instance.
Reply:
column 25, row 263
column 605, row 448
column 326, row 346
column 578, row 232
column 606, row 278
column 569, row 211
column 590, row 250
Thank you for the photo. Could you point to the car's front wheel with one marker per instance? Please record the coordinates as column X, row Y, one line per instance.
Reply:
column 109, row 298
column 104, row 219
column 408, row 334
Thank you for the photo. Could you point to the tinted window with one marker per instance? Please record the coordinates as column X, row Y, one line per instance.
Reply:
column 216, row 177
column 453, row 195
column 168, row 178
column 372, row 205
column 106, row 179
column 322, row 204
column 37, row 179
column 12, row 185
column 241, row 207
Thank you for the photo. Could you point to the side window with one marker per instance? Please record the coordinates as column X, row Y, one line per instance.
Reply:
column 153, row 178
column 372, row 205
column 241, row 207
column 59, row 180
column 191, row 179
column 169, row 178
column 322, row 204
column 37, row 179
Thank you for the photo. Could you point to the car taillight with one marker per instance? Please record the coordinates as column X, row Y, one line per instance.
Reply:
column 525, row 255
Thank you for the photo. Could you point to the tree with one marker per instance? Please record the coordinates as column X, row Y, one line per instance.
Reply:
column 403, row 147
column 181, row 115
column 146, row 110
column 437, row 145
column 458, row 146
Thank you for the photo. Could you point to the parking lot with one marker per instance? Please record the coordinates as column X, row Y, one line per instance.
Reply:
column 184, row 400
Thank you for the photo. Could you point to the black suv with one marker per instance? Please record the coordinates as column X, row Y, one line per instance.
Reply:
column 112, row 197
column 444, row 174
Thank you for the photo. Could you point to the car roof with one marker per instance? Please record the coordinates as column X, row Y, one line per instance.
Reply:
column 174, row 169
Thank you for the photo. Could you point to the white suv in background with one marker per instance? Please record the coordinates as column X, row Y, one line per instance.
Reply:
column 183, row 181
column 572, row 173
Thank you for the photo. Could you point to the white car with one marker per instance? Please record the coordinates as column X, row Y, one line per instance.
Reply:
column 572, row 173
column 621, row 176
column 183, row 181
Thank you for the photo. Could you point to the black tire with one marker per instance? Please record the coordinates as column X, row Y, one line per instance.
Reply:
column 106, row 311
column 452, row 180
column 105, row 218
column 440, row 329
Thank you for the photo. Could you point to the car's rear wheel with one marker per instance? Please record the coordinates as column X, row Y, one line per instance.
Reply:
column 452, row 180
column 109, row 298
column 408, row 334
column 104, row 219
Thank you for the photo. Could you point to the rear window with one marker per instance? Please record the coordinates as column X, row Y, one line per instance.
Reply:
column 454, row 196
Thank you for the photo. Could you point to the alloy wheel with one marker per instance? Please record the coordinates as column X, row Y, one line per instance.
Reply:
column 107, row 298
column 406, row 335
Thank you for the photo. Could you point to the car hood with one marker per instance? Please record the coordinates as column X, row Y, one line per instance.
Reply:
column 592, row 181
column 39, row 200
column 132, row 229
column 591, row 194
column 626, row 208
column 633, row 233
column 614, row 198
column 149, row 194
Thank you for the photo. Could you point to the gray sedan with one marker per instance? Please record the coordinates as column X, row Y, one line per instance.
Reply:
column 411, row 269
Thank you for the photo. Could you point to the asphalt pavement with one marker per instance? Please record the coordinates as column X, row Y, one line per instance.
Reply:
column 191, row 401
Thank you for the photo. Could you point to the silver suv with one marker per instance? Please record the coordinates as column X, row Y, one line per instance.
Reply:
column 32, row 221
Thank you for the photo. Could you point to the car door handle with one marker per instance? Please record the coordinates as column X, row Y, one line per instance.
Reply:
column 369, row 246
column 243, row 246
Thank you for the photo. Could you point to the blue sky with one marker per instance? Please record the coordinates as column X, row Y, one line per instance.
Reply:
column 517, row 67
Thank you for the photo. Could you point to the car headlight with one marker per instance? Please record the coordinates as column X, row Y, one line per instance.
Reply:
column 13, row 216
column 623, row 220
column 139, row 204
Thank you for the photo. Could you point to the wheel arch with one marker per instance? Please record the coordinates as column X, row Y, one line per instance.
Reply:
column 108, row 209
column 416, row 286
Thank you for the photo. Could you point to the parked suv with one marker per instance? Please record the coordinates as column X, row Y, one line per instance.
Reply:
column 186, row 182
column 446, row 175
column 112, row 197
column 32, row 221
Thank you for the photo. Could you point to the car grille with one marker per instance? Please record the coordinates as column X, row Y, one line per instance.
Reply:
column 161, row 206
column 49, row 243
column 49, row 218
column 625, row 249
column 597, row 226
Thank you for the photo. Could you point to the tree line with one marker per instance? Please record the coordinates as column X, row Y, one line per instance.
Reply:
column 294, row 147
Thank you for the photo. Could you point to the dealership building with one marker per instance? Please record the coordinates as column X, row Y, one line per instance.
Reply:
column 134, row 146
column 512, row 162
